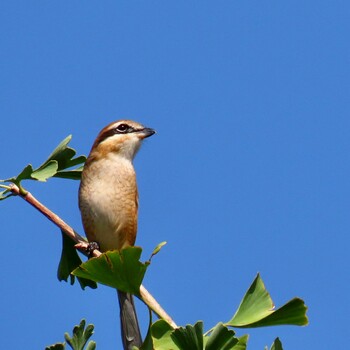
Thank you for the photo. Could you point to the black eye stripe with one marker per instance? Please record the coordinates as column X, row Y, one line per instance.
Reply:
column 126, row 129
column 105, row 134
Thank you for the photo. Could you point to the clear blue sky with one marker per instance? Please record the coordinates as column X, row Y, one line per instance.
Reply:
column 249, row 171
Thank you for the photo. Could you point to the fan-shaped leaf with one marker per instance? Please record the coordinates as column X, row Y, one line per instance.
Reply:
column 118, row 269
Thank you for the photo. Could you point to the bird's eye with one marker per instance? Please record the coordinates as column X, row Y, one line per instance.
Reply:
column 122, row 128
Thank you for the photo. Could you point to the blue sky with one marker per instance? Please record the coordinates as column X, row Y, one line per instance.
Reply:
column 249, row 170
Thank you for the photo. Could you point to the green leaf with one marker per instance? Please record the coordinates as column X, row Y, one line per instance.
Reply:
column 291, row 313
column 255, row 305
column 55, row 154
column 58, row 165
column 6, row 193
column 64, row 155
column 190, row 337
column 74, row 174
column 148, row 342
column 242, row 343
column 77, row 161
column 91, row 345
column 46, row 171
column 23, row 175
column 257, row 309
column 58, row 346
column 80, row 337
column 69, row 261
column 221, row 338
column 161, row 335
column 69, row 174
column 277, row 345
column 118, row 269
column 157, row 249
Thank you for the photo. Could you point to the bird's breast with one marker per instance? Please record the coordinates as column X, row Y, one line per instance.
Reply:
column 108, row 203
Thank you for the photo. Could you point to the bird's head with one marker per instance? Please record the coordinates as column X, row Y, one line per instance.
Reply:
column 122, row 138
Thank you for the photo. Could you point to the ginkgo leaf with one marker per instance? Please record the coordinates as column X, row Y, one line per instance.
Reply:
column 257, row 309
column 118, row 269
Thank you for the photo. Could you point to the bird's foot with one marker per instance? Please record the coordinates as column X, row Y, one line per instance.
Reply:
column 91, row 247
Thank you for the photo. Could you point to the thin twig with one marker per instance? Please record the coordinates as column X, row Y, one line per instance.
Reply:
column 82, row 244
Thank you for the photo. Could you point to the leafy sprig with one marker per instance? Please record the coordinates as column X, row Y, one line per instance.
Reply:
column 60, row 163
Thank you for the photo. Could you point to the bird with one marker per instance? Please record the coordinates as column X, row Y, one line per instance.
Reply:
column 108, row 202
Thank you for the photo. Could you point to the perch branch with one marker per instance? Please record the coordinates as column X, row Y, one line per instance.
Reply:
column 82, row 244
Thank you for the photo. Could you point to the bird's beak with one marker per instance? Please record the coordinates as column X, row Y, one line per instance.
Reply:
column 146, row 132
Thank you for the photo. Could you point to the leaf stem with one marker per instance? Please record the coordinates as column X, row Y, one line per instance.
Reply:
column 4, row 186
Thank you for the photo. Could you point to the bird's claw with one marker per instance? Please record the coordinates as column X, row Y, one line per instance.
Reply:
column 91, row 247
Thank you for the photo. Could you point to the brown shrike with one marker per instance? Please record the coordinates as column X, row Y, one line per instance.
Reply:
column 108, row 201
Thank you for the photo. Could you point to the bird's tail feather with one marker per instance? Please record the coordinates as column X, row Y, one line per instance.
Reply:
column 130, row 329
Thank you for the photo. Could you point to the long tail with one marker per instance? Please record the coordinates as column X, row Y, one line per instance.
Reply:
column 130, row 329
